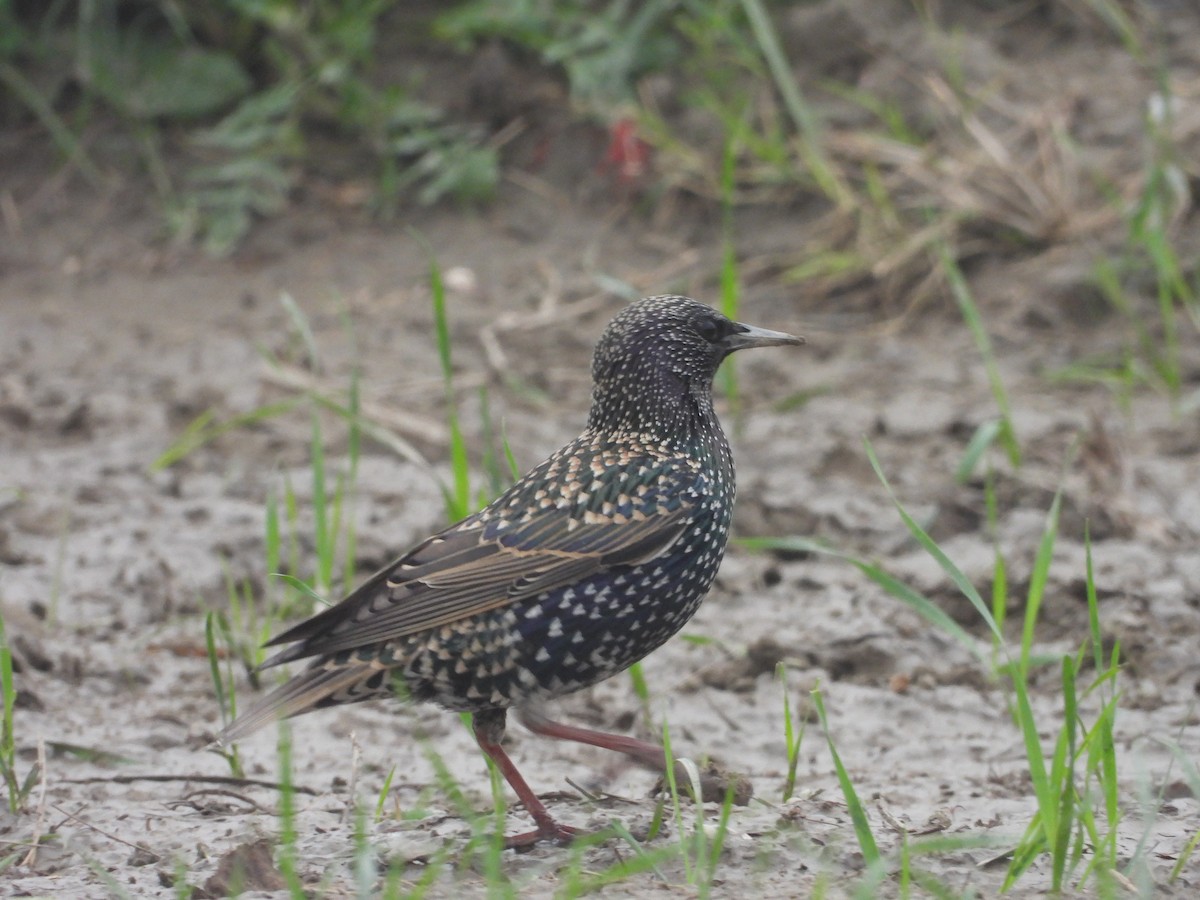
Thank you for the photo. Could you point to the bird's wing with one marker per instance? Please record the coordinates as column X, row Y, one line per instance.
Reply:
column 486, row 562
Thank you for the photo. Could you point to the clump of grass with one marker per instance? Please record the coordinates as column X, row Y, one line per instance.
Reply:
column 251, row 621
column 1150, row 262
column 1068, row 823
column 1083, row 761
column 1075, row 786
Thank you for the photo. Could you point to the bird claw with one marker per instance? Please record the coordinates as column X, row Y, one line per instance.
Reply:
column 546, row 831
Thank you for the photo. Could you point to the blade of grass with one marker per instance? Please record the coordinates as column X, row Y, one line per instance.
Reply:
column 458, row 498
column 8, row 744
column 201, row 430
column 320, row 508
column 919, row 603
column 676, row 806
column 1037, row 581
column 970, row 313
column 985, row 435
column 858, row 815
column 791, row 739
column 288, row 835
column 955, row 574
column 301, row 587
column 302, row 326
column 383, row 794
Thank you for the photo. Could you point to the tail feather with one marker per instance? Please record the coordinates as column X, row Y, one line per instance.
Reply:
column 305, row 692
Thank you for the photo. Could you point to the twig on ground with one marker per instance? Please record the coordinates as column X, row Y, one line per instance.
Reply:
column 199, row 779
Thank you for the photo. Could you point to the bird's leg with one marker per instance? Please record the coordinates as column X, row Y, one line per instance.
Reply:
column 652, row 756
column 649, row 755
column 489, row 732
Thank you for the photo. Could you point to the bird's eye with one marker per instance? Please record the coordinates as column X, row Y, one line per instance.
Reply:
column 710, row 330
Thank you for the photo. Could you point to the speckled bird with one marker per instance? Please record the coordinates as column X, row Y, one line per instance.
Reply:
column 583, row 567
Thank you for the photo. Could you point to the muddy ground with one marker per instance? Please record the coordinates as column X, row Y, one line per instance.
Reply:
column 111, row 342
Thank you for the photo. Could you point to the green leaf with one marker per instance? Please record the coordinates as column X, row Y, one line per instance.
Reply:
column 960, row 580
column 984, row 436
column 149, row 78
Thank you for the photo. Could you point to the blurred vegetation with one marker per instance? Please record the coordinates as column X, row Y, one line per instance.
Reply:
column 227, row 103
column 601, row 47
column 228, row 106
column 241, row 91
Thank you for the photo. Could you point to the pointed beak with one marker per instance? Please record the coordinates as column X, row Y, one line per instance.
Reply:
column 750, row 336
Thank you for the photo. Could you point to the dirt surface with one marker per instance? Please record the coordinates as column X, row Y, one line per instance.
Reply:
column 110, row 345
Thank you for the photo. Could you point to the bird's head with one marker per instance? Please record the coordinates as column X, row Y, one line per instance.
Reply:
column 656, row 360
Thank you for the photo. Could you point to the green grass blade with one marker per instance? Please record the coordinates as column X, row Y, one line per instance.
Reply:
column 288, row 834
column 1062, row 777
column 918, row 602
column 858, row 815
column 320, row 506
column 792, row 740
column 1093, row 602
column 677, row 809
column 970, row 313
column 641, row 689
column 214, row 667
column 272, row 539
column 955, row 574
column 201, row 430
column 383, row 794
column 8, row 746
column 300, row 322
column 1037, row 581
column 985, row 435
column 458, row 497
column 1035, row 760
column 1180, row 864
column 999, row 566
column 302, row 587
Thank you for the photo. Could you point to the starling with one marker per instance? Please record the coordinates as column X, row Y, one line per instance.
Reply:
column 587, row 564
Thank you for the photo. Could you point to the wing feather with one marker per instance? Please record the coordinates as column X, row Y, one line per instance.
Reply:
column 478, row 566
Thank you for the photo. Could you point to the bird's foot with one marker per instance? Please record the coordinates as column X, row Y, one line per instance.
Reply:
column 549, row 830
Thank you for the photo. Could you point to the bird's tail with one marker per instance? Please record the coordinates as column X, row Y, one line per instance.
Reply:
column 322, row 685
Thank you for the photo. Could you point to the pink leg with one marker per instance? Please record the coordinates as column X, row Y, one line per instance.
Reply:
column 649, row 755
column 489, row 731
column 713, row 782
